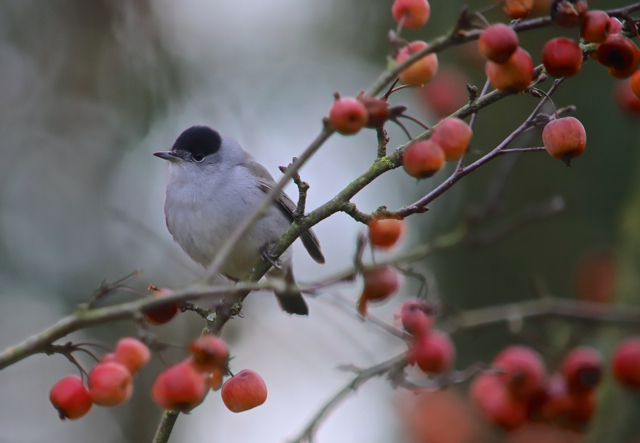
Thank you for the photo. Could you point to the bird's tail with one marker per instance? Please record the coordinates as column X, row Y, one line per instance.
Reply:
column 289, row 295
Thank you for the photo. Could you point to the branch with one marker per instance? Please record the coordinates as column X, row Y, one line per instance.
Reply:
column 375, row 371
column 460, row 36
column 166, row 426
column 468, row 321
column 85, row 317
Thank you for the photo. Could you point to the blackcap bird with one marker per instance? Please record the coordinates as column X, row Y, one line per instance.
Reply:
column 213, row 186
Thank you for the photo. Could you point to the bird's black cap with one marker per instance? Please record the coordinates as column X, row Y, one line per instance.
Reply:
column 198, row 141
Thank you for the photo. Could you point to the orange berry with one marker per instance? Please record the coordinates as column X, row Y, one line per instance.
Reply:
column 132, row 353
column 516, row 73
column 216, row 378
column 209, row 353
column 523, row 373
column 517, row 8
column 179, row 387
column 384, row 233
column 582, row 369
column 564, row 138
column 348, row 115
column 453, row 136
column 70, row 397
column 596, row 27
column 417, row 317
column 379, row 284
column 244, row 391
column 569, row 13
column 498, row 42
column 492, row 396
column 110, row 384
column 422, row 70
column 626, row 363
column 413, row 13
column 434, row 353
column 562, row 57
column 423, row 158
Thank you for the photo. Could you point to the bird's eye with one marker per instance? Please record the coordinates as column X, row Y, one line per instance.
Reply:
column 198, row 157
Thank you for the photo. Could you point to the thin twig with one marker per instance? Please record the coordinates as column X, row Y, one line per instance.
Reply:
column 375, row 371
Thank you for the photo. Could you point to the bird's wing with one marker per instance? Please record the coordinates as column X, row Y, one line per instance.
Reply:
column 287, row 206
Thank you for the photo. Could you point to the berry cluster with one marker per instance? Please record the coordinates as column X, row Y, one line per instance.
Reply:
column 180, row 387
column 109, row 382
column 430, row 349
column 519, row 390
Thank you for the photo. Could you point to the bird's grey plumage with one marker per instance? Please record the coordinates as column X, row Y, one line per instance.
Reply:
column 213, row 186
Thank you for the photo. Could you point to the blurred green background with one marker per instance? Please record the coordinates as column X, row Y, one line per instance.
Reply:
column 88, row 90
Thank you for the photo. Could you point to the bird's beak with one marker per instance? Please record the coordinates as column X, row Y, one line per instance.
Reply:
column 167, row 155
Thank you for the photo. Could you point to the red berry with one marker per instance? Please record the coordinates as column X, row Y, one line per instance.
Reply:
column 616, row 51
column 596, row 275
column 412, row 13
column 635, row 83
column 516, row 73
column 244, row 391
column 348, row 115
column 70, row 397
column 384, row 233
column 434, row 353
column 518, row 8
column 582, row 369
column 132, row 353
column 179, row 387
column 210, row 353
column 498, row 42
column 626, row 363
column 596, row 27
column 615, row 26
column 523, row 371
column 625, row 98
column 421, row 71
column 629, row 70
column 423, row 158
column 490, row 393
column 162, row 314
column 377, row 110
column 562, row 57
column 564, row 408
column 110, row 384
column 447, row 92
column 417, row 317
column 569, row 13
column 564, row 138
column 453, row 136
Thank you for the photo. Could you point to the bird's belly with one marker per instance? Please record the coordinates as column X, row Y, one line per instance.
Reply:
column 201, row 232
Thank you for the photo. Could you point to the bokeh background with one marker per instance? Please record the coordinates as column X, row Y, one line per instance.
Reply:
column 89, row 90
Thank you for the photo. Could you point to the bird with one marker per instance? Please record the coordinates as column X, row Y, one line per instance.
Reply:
column 213, row 186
